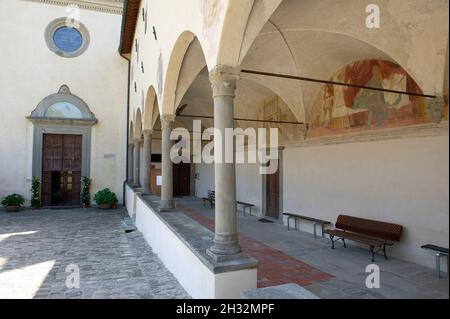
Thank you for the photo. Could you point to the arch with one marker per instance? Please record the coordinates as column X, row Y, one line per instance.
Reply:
column 150, row 103
column 193, row 63
column 63, row 105
column 173, row 71
column 233, row 29
column 138, row 124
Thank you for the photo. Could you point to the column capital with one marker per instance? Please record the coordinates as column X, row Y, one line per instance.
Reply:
column 223, row 80
column 166, row 120
column 147, row 133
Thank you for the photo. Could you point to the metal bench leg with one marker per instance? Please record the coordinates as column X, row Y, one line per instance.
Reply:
column 295, row 223
column 372, row 251
column 438, row 265
column 323, row 234
column 315, row 232
column 384, row 252
column 332, row 241
column 343, row 240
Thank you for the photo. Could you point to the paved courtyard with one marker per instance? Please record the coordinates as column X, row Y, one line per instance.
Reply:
column 38, row 247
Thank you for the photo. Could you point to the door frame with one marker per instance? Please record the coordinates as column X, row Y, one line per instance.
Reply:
column 280, row 188
column 43, row 124
column 45, row 128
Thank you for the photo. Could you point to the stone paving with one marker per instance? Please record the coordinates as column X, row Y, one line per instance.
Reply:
column 399, row 279
column 36, row 247
column 275, row 267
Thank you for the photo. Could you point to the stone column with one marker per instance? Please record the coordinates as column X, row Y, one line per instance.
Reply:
column 147, row 158
column 130, row 163
column 223, row 80
column 167, row 202
column 136, row 162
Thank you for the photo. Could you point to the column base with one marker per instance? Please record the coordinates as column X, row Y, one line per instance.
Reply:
column 166, row 205
column 224, row 248
column 223, row 258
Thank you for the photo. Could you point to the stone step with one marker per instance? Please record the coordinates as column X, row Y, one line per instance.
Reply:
column 286, row 291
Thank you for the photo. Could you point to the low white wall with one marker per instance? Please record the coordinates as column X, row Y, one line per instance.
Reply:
column 193, row 275
column 404, row 181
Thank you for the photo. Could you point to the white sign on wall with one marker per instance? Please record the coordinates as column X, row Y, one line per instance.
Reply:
column 158, row 180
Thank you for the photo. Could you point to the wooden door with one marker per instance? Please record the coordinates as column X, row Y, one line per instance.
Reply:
column 273, row 194
column 61, row 170
column 182, row 179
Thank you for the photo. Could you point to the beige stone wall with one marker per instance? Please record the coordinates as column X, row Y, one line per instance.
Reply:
column 30, row 72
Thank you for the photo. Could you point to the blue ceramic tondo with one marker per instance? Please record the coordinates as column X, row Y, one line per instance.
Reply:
column 67, row 39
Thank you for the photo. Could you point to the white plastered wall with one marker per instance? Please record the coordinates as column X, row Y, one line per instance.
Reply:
column 402, row 181
column 30, row 72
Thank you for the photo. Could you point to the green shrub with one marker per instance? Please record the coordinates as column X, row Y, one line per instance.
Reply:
column 105, row 196
column 13, row 200
column 36, row 192
column 85, row 193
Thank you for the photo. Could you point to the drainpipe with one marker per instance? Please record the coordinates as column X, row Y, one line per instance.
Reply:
column 128, row 131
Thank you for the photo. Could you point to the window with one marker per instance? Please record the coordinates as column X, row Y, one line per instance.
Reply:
column 66, row 37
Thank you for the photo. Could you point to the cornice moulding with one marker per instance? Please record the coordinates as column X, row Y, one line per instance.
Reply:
column 115, row 7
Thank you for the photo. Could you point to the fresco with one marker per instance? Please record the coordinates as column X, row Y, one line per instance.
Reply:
column 339, row 109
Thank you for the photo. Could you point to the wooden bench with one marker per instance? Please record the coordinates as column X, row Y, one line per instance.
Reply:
column 441, row 252
column 374, row 233
column 245, row 206
column 315, row 222
column 211, row 198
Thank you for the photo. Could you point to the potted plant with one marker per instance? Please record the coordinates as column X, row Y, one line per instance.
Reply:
column 13, row 202
column 85, row 194
column 35, row 193
column 105, row 198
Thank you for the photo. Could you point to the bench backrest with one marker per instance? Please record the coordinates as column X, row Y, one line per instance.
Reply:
column 369, row 227
column 211, row 194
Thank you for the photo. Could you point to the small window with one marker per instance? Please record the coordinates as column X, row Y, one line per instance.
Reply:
column 64, row 110
column 67, row 38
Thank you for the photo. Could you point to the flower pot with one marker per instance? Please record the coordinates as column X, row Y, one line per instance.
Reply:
column 12, row 209
column 105, row 206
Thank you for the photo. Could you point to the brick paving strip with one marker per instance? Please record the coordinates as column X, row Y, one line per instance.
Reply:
column 275, row 267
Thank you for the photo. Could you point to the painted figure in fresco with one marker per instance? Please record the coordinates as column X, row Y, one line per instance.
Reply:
column 328, row 104
column 338, row 108
column 340, row 114
column 374, row 101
